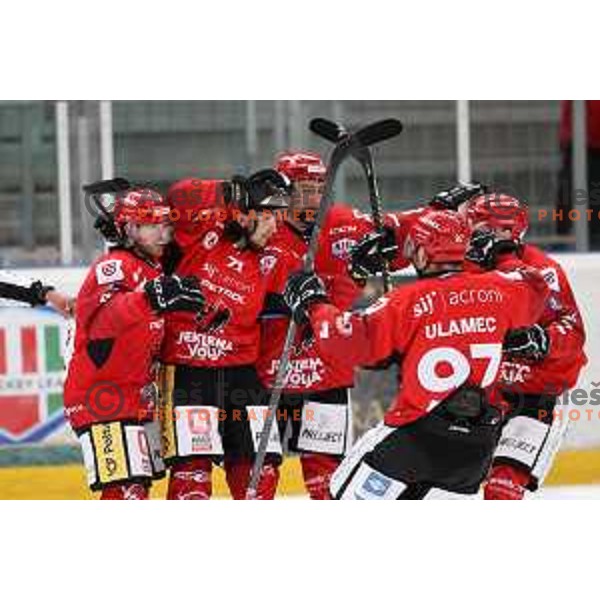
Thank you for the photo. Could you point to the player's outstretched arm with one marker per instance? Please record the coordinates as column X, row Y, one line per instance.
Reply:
column 35, row 293
column 62, row 303
column 361, row 338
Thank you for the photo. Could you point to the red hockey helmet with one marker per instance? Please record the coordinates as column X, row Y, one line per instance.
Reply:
column 499, row 211
column 301, row 166
column 443, row 234
column 193, row 199
column 196, row 194
column 141, row 206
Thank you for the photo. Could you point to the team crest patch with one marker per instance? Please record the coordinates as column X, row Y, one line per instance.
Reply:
column 341, row 248
column 266, row 264
column 109, row 271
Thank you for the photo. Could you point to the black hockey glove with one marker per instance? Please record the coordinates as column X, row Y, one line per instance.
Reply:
column 268, row 189
column 35, row 294
column 484, row 248
column 369, row 256
column 265, row 189
column 38, row 293
column 301, row 291
column 528, row 343
column 106, row 226
column 452, row 198
column 169, row 293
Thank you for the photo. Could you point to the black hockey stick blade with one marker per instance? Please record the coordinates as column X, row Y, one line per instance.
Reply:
column 107, row 186
column 327, row 129
column 379, row 131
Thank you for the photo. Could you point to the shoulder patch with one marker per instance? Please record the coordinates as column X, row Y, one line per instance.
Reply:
column 550, row 276
column 267, row 263
column 109, row 271
column 210, row 240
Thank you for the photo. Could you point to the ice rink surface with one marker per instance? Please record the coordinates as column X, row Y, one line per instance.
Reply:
column 571, row 492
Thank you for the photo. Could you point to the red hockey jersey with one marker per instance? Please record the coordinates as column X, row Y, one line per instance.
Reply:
column 561, row 318
column 117, row 340
column 448, row 330
column 342, row 229
column 230, row 279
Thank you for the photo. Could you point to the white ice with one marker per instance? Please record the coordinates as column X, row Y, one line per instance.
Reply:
column 571, row 492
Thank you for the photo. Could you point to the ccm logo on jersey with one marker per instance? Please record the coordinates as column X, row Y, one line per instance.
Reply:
column 109, row 271
column 343, row 229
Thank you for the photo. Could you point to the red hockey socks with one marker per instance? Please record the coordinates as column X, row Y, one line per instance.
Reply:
column 124, row 491
column 506, row 482
column 317, row 470
column 191, row 479
column 237, row 472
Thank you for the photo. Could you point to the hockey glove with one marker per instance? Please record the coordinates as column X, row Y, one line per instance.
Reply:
column 106, row 226
column 268, row 189
column 38, row 293
column 370, row 255
column 265, row 189
column 452, row 198
column 482, row 249
column 169, row 293
column 528, row 343
column 301, row 291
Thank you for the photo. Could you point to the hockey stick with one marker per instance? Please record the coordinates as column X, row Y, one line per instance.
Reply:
column 362, row 154
column 104, row 220
column 344, row 146
column 105, row 186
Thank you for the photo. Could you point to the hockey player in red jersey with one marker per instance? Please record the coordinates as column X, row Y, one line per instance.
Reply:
column 110, row 390
column 368, row 256
column 215, row 400
column 315, row 403
column 448, row 328
column 540, row 362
